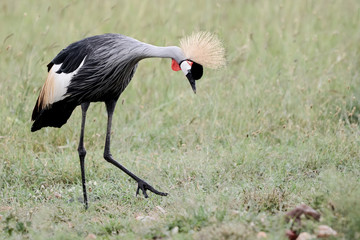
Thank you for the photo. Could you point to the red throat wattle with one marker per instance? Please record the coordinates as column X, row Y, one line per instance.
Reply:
column 175, row 66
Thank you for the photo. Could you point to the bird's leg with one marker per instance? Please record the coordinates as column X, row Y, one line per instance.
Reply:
column 82, row 151
column 110, row 106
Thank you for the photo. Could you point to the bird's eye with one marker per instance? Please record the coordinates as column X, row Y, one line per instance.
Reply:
column 196, row 70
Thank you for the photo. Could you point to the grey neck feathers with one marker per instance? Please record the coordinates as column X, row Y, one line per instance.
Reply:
column 151, row 51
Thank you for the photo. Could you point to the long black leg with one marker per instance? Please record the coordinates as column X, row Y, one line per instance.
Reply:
column 110, row 106
column 82, row 151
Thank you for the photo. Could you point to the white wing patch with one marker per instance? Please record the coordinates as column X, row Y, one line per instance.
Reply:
column 56, row 85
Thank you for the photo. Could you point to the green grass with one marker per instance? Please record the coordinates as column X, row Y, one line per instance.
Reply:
column 277, row 127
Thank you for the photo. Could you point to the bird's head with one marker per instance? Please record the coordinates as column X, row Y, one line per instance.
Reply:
column 200, row 49
column 192, row 70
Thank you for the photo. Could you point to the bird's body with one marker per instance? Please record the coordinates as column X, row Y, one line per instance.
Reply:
column 98, row 69
column 95, row 69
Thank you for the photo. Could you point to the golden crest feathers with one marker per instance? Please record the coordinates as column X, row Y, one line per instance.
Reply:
column 204, row 48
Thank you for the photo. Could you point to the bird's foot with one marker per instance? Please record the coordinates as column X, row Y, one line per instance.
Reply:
column 145, row 186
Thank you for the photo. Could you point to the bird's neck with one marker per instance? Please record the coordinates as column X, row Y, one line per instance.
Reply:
column 174, row 52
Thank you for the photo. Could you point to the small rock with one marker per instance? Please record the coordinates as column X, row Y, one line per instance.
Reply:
column 144, row 218
column 300, row 210
column 90, row 236
column 261, row 235
column 291, row 234
column 235, row 212
column 70, row 225
column 175, row 230
column 305, row 236
column 324, row 231
column 57, row 195
column 161, row 209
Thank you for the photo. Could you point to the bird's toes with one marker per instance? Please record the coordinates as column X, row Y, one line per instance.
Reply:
column 156, row 191
column 145, row 186
column 145, row 194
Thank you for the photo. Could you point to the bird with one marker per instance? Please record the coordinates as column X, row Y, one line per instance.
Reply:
column 99, row 68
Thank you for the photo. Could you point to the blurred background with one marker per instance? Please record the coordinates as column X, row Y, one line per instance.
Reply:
column 277, row 126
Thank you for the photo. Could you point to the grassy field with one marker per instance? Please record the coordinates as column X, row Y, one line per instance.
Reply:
column 279, row 126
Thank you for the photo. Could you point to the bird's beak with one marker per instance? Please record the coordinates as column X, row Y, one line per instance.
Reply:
column 191, row 81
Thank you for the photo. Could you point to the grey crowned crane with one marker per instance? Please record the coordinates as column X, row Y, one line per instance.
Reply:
column 98, row 69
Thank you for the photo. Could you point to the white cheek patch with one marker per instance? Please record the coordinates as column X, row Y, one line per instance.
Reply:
column 62, row 81
column 185, row 67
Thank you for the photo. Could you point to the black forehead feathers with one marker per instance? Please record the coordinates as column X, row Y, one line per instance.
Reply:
column 196, row 70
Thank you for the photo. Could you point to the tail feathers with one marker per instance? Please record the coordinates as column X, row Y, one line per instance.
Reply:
column 36, row 110
column 54, row 115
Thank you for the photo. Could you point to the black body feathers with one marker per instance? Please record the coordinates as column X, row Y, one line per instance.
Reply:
column 110, row 61
column 54, row 116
